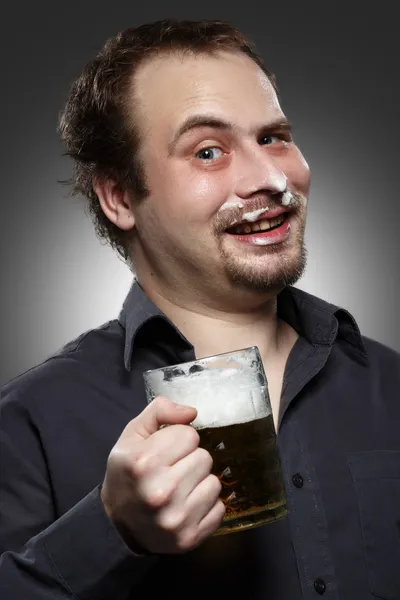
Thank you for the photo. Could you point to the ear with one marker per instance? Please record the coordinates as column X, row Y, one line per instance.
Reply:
column 115, row 203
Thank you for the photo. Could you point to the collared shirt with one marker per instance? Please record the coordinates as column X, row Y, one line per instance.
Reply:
column 338, row 438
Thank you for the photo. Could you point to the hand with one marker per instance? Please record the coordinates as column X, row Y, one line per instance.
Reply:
column 158, row 488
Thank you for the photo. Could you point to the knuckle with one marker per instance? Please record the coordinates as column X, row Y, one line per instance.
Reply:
column 153, row 498
column 155, row 491
column 140, row 465
column 171, row 521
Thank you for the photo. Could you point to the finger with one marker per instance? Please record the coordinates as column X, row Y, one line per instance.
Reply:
column 212, row 520
column 187, row 473
column 155, row 489
column 163, row 485
column 202, row 499
column 164, row 448
column 196, row 534
column 160, row 411
column 175, row 517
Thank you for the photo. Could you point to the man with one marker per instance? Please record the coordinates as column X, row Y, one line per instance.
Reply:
column 191, row 172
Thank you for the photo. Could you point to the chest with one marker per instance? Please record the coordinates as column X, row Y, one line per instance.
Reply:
column 340, row 453
column 274, row 373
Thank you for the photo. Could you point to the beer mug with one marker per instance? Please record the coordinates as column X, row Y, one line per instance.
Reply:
column 235, row 424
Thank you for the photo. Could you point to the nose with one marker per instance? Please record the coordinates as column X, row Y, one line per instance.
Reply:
column 259, row 172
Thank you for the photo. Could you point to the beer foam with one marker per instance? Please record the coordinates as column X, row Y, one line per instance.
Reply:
column 222, row 397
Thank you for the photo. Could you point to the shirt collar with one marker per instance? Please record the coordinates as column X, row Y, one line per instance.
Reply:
column 315, row 319
column 136, row 311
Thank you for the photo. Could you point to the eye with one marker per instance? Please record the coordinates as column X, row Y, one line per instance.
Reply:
column 209, row 153
column 267, row 140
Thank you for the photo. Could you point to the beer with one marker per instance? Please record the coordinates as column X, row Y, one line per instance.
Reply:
column 245, row 460
column 234, row 422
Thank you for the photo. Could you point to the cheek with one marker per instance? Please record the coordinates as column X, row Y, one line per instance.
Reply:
column 298, row 173
column 206, row 195
column 195, row 195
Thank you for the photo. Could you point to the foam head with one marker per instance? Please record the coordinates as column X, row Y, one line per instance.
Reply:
column 225, row 390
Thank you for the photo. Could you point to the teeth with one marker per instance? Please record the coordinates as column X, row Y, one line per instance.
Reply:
column 263, row 225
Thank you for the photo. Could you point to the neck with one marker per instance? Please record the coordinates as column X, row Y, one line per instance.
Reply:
column 215, row 331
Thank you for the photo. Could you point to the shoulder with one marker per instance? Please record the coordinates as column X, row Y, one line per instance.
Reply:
column 73, row 367
column 382, row 356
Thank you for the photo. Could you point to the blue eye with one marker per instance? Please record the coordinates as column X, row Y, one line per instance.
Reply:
column 209, row 153
column 267, row 140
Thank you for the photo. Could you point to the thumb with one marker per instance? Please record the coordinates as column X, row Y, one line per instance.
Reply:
column 160, row 411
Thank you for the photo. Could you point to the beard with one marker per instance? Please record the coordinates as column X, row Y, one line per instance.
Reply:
column 269, row 268
column 285, row 270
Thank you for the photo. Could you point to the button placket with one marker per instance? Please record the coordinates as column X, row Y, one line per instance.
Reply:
column 306, row 516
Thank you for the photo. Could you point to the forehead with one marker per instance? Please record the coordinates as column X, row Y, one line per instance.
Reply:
column 169, row 88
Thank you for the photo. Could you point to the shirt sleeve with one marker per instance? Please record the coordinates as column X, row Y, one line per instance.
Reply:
column 78, row 555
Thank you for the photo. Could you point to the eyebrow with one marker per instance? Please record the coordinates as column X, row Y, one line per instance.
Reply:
column 198, row 121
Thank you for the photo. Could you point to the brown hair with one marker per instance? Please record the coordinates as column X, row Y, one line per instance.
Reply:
column 95, row 124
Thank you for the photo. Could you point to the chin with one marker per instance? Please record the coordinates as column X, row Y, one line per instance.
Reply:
column 271, row 276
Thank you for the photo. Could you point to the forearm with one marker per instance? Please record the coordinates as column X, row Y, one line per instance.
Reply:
column 81, row 555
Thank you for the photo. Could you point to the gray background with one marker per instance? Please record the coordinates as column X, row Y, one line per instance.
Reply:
column 337, row 69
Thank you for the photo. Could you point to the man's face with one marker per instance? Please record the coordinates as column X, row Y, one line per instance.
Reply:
column 227, row 185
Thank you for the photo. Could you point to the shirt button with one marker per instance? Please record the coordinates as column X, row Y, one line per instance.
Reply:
column 319, row 586
column 297, row 480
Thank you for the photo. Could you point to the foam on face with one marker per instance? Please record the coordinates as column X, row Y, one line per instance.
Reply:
column 287, row 198
column 231, row 204
column 222, row 397
column 279, row 181
column 253, row 216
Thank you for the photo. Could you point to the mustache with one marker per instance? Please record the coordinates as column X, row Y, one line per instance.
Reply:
column 227, row 217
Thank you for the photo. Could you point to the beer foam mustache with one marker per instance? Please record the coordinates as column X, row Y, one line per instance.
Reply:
column 222, row 397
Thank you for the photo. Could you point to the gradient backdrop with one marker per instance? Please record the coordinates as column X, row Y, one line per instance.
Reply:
column 338, row 71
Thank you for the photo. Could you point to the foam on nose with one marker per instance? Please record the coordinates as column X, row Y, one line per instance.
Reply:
column 278, row 181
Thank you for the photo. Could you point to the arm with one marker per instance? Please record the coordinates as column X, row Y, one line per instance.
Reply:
column 79, row 555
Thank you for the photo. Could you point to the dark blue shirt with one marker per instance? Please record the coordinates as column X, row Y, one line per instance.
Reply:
column 339, row 442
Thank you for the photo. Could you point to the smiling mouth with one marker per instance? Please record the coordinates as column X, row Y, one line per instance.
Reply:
column 258, row 226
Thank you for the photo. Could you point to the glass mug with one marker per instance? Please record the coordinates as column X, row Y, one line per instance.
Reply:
column 235, row 424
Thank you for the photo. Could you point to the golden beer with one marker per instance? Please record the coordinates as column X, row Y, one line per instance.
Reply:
column 246, row 462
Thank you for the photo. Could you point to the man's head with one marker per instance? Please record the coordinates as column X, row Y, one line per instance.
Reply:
column 178, row 136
